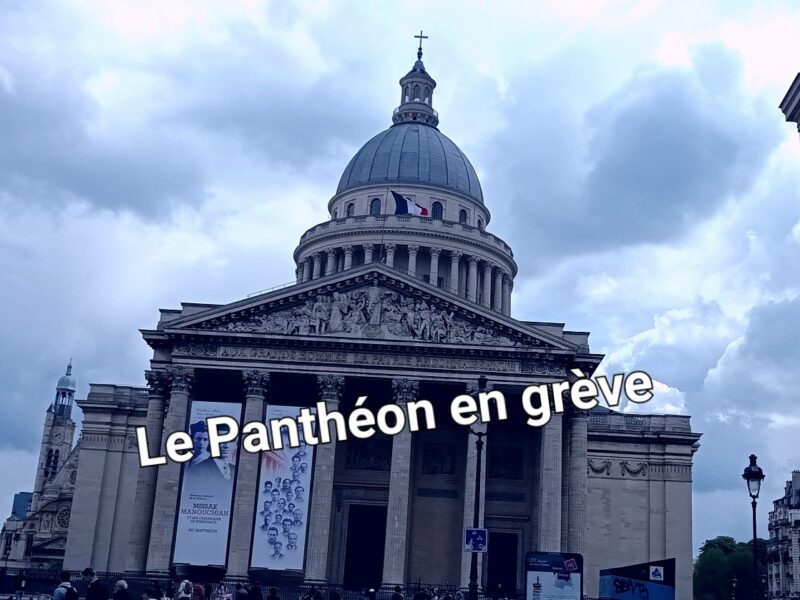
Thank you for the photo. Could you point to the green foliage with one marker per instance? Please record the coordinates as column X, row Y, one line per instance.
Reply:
column 720, row 561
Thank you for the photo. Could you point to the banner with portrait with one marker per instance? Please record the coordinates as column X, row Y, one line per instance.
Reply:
column 284, row 487
column 206, row 499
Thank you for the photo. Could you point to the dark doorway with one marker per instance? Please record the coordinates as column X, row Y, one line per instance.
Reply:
column 503, row 559
column 363, row 559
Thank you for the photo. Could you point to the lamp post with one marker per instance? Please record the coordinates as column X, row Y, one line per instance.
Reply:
column 754, row 475
column 733, row 585
column 473, row 565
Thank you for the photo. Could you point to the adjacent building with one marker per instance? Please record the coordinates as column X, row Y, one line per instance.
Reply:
column 783, row 546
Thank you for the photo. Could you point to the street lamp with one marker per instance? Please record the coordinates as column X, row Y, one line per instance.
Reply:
column 754, row 475
column 473, row 565
column 733, row 584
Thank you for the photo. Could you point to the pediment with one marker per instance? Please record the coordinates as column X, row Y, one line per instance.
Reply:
column 375, row 304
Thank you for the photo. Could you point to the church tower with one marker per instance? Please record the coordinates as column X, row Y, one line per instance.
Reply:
column 57, row 435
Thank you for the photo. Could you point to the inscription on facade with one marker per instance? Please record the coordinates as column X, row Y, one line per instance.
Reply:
column 363, row 358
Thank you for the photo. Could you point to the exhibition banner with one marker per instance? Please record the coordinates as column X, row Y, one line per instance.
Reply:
column 652, row 580
column 553, row 576
column 206, row 498
column 284, row 487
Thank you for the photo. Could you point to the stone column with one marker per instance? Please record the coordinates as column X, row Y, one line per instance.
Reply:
column 469, row 491
column 506, row 308
column 497, row 304
column 368, row 253
column 159, row 553
column 578, row 481
column 550, row 486
column 510, row 289
column 348, row 257
column 317, row 265
column 434, row 277
column 487, row 285
column 455, row 258
column 412, row 259
column 298, row 273
column 256, row 383
column 319, row 519
column 472, row 280
column 146, row 485
column 306, row 269
column 330, row 265
column 395, row 550
column 390, row 248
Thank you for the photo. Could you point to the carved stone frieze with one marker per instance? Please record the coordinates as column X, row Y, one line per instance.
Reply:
column 603, row 468
column 371, row 312
column 639, row 471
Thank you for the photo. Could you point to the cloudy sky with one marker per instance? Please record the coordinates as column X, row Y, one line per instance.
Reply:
column 632, row 153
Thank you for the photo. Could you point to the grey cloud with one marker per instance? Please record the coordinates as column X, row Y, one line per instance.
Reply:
column 754, row 379
column 661, row 154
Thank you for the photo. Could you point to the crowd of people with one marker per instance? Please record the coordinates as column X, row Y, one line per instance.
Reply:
column 94, row 589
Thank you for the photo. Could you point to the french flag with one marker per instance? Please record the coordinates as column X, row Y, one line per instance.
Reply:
column 406, row 206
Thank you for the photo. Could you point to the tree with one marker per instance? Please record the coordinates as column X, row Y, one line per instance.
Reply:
column 720, row 560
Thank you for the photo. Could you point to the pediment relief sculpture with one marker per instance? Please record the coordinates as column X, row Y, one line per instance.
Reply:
column 371, row 312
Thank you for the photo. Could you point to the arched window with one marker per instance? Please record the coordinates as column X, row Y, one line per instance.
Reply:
column 436, row 210
column 375, row 206
column 335, row 214
column 351, row 209
column 416, row 93
column 480, row 224
column 462, row 216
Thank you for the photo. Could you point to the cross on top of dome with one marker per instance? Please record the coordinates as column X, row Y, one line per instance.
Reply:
column 420, row 37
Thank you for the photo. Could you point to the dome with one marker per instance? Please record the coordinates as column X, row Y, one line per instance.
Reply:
column 67, row 381
column 412, row 153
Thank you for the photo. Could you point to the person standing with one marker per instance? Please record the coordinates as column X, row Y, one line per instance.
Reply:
column 273, row 594
column 120, row 590
column 95, row 590
column 19, row 584
column 149, row 594
column 198, row 592
column 184, row 590
column 397, row 594
column 65, row 591
column 254, row 593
